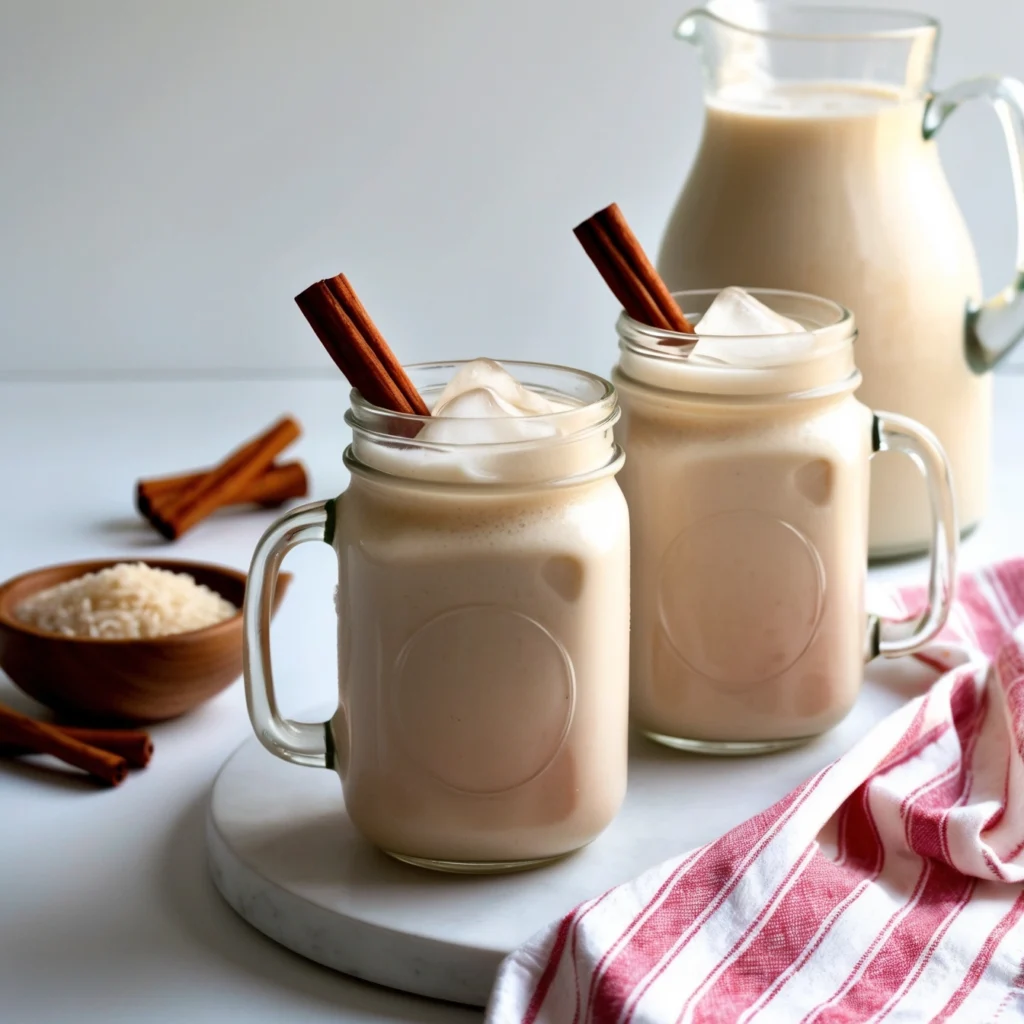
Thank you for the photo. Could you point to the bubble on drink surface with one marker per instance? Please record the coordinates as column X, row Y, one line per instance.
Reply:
column 739, row 330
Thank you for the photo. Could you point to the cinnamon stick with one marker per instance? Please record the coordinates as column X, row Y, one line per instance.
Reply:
column 278, row 484
column 632, row 294
column 620, row 259
column 39, row 738
column 358, row 349
column 345, row 294
column 135, row 747
column 173, row 515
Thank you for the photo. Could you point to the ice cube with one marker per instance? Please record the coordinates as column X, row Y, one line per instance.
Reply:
column 482, row 416
column 739, row 330
column 477, row 403
column 492, row 376
column 735, row 311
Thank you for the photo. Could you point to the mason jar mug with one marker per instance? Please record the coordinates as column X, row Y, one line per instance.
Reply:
column 483, row 624
column 748, row 487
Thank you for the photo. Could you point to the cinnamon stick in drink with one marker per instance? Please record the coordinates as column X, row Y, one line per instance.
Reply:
column 358, row 349
column 350, row 351
column 345, row 294
column 633, row 296
column 620, row 259
column 39, row 738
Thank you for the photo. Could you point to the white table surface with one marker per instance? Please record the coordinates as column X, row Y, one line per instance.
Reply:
column 106, row 909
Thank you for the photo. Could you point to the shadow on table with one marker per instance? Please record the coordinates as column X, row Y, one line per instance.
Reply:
column 904, row 677
column 189, row 894
column 131, row 531
column 48, row 773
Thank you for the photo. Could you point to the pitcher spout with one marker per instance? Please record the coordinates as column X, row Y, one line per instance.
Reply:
column 689, row 27
column 730, row 35
column 744, row 16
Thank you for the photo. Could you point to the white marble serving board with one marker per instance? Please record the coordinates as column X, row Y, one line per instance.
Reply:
column 285, row 856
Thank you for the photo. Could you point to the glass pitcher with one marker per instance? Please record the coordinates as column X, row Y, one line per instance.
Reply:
column 818, row 172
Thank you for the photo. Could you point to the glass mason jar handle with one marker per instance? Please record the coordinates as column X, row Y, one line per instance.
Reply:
column 305, row 743
column 994, row 327
column 894, row 433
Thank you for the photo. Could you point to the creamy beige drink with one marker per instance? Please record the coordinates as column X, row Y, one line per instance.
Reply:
column 747, row 481
column 483, row 613
column 834, row 190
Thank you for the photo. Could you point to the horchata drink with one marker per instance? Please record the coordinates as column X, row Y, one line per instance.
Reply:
column 483, row 617
column 748, row 486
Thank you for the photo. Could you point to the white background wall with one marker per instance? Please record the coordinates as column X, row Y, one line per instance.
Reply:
column 172, row 172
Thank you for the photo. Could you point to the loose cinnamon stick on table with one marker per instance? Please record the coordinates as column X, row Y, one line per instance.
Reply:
column 622, row 262
column 40, row 738
column 358, row 349
column 134, row 746
column 222, row 485
column 278, row 484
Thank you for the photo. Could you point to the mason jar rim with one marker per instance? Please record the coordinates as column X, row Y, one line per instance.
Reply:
column 829, row 369
column 378, row 434
column 634, row 330
column 361, row 406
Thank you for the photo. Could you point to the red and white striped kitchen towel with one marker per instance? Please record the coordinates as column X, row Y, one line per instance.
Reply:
column 887, row 887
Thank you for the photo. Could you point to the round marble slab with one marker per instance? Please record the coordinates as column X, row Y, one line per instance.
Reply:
column 285, row 856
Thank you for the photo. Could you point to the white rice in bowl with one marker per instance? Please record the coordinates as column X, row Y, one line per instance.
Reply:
column 128, row 601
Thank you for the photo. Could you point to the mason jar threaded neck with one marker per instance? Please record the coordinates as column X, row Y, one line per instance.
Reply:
column 572, row 444
column 661, row 359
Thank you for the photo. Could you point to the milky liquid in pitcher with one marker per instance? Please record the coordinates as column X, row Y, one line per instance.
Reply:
column 832, row 189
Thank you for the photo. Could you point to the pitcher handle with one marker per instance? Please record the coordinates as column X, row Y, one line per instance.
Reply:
column 997, row 324
column 892, row 637
column 305, row 743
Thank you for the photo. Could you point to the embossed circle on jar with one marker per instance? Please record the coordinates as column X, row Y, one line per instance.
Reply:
column 740, row 596
column 483, row 698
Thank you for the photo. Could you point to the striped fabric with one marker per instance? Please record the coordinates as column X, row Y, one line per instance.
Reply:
column 887, row 887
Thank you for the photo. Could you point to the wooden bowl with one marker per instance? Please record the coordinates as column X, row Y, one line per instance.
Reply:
column 123, row 680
